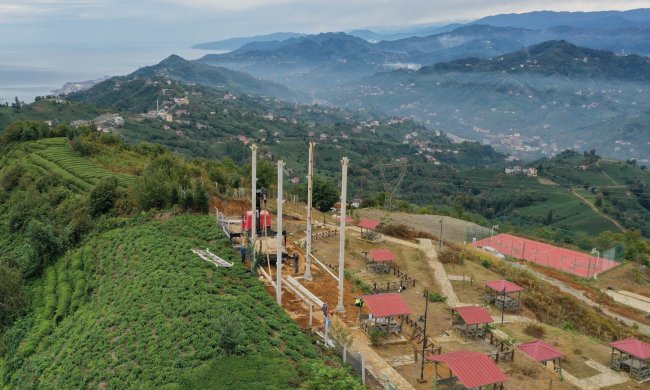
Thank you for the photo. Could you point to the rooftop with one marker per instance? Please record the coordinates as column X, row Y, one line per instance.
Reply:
column 381, row 255
column 633, row 346
column 472, row 369
column 540, row 351
column 369, row 223
column 473, row 315
column 504, row 285
column 386, row 305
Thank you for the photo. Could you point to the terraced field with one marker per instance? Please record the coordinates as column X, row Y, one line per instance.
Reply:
column 55, row 155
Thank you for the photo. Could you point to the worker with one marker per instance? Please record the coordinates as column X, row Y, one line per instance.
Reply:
column 358, row 302
column 242, row 251
column 325, row 310
column 296, row 263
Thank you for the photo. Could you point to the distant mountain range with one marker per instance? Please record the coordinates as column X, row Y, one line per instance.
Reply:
column 236, row 43
column 569, row 79
column 556, row 58
column 312, row 62
column 540, row 100
column 623, row 24
column 543, row 20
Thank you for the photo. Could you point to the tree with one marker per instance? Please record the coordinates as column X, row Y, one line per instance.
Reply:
column 549, row 217
column 599, row 199
column 103, row 196
column 267, row 174
column 45, row 245
column 325, row 193
column 201, row 199
column 12, row 296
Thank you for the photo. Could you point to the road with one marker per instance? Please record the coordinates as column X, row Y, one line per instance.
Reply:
column 593, row 207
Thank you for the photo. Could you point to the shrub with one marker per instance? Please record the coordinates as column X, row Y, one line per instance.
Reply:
column 534, row 330
column 375, row 337
column 486, row 263
column 435, row 297
column 450, row 256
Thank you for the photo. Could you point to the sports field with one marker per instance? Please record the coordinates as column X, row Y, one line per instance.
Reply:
column 573, row 262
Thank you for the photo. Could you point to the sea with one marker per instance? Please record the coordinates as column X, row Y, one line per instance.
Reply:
column 27, row 71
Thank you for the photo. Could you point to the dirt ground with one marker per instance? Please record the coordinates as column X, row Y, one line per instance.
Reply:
column 453, row 229
column 524, row 373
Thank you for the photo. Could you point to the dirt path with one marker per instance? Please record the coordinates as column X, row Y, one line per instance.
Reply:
column 593, row 207
column 605, row 174
column 629, row 300
column 606, row 378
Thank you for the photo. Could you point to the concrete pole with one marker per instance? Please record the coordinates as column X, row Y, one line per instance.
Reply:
column 310, row 190
column 278, row 237
column 253, row 200
column 344, row 198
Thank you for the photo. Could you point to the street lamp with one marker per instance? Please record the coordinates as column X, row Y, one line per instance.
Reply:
column 597, row 253
column 441, row 232
column 494, row 227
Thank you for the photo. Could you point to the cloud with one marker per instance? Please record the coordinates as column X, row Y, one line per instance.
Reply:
column 194, row 21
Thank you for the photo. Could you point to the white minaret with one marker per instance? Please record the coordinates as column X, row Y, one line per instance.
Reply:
column 278, row 237
column 310, row 190
column 253, row 200
column 344, row 199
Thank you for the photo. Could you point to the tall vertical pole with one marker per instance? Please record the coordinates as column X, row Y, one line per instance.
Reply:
column 310, row 190
column 278, row 237
column 424, row 342
column 344, row 199
column 253, row 201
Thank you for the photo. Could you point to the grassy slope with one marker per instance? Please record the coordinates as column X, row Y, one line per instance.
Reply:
column 134, row 307
column 55, row 155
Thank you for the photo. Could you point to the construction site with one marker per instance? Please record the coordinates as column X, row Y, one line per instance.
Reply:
column 431, row 310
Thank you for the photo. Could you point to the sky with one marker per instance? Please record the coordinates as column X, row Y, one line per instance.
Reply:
column 185, row 22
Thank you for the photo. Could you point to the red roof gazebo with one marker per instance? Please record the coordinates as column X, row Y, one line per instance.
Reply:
column 543, row 352
column 631, row 355
column 472, row 369
column 383, row 307
column 370, row 225
column 501, row 294
column 380, row 259
column 471, row 320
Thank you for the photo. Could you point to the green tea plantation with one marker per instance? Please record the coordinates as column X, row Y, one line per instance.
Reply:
column 135, row 308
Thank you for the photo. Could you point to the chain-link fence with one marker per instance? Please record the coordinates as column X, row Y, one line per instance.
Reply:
column 356, row 361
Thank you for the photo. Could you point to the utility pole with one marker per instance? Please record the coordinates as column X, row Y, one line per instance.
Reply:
column 253, row 201
column 278, row 237
column 310, row 190
column 424, row 342
column 344, row 198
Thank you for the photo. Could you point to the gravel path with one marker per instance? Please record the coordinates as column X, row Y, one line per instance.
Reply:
column 439, row 272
